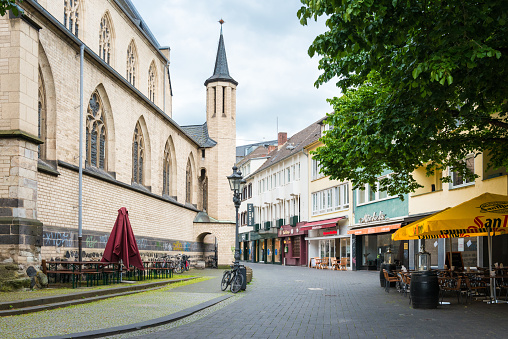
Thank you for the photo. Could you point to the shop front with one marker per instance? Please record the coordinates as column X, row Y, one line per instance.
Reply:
column 292, row 239
column 329, row 239
column 369, row 244
column 245, row 252
column 265, row 248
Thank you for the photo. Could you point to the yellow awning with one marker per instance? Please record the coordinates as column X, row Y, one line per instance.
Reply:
column 472, row 218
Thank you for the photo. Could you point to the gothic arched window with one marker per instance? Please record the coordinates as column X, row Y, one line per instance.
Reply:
column 138, row 155
column 152, row 82
column 42, row 117
column 188, row 182
column 95, row 133
column 71, row 15
column 166, row 171
column 105, row 39
column 131, row 63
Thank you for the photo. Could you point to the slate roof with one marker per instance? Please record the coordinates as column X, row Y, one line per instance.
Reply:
column 221, row 71
column 199, row 133
column 259, row 152
column 293, row 145
column 131, row 11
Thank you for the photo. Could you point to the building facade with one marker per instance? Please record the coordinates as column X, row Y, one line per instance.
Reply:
column 436, row 196
column 171, row 178
column 330, row 213
column 279, row 200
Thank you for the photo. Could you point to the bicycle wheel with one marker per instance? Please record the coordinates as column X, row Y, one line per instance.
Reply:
column 225, row 280
column 237, row 282
column 178, row 268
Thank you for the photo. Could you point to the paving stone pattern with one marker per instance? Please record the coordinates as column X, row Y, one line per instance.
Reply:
column 298, row 302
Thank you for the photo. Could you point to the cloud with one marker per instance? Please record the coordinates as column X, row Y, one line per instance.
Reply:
column 266, row 49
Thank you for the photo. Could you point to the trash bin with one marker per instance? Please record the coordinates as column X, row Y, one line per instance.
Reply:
column 243, row 272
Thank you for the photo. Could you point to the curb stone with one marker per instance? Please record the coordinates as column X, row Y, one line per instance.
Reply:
column 142, row 325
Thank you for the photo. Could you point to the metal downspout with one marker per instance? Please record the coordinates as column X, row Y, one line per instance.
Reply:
column 80, row 196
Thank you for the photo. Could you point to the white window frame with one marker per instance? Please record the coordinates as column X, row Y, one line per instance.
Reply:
column 331, row 199
column 368, row 193
column 464, row 182
column 316, row 167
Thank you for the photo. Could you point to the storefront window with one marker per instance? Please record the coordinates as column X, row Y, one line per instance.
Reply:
column 345, row 247
column 431, row 246
column 468, row 247
column 269, row 250
column 276, row 251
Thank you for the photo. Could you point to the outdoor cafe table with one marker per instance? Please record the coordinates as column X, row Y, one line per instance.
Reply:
column 152, row 270
column 93, row 270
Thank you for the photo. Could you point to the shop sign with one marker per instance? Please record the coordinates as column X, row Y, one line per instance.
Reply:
column 250, row 214
column 330, row 232
column 374, row 217
column 373, row 230
column 287, row 231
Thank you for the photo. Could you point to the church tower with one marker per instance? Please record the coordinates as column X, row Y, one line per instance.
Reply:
column 221, row 123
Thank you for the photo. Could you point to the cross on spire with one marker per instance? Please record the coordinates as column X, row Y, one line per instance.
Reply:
column 221, row 23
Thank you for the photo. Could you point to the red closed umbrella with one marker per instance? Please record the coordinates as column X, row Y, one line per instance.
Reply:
column 122, row 244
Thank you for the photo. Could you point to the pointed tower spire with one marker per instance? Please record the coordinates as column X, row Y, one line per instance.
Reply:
column 221, row 71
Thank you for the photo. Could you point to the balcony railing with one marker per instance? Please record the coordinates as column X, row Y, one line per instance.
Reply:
column 293, row 220
column 267, row 225
column 279, row 223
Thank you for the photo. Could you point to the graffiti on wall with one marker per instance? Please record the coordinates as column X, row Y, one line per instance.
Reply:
column 58, row 239
column 98, row 240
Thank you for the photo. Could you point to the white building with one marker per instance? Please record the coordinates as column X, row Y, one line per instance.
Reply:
column 279, row 193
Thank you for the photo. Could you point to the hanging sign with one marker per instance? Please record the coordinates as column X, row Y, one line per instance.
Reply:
column 250, row 214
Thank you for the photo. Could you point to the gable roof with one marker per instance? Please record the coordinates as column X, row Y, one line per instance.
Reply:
column 293, row 145
column 199, row 133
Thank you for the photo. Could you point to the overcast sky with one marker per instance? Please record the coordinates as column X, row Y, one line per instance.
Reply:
column 266, row 49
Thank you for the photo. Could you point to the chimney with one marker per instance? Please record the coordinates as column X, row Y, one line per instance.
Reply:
column 282, row 138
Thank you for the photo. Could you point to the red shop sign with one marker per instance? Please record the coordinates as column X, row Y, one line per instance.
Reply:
column 330, row 232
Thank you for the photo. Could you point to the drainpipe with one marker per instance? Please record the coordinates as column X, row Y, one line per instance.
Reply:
column 80, row 195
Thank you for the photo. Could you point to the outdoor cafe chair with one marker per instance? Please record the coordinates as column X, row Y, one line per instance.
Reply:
column 343, row 264
column 404, row 282
column 335, row 264
column 477, row 285
column 449, row 284
column 388, row 280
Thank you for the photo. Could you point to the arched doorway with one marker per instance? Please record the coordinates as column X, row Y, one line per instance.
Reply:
column 209, row 249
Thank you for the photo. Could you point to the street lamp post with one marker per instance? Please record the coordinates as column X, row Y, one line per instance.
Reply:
column 236, row 183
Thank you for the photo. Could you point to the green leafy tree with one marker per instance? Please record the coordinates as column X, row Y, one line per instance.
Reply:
column 6, row 5
column 424, row 83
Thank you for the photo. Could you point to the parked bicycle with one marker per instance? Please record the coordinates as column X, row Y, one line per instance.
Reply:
column 186, row 262
column 211, row 261
column 232, row 277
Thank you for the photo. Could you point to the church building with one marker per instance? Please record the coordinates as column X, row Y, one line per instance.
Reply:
column 62, row 59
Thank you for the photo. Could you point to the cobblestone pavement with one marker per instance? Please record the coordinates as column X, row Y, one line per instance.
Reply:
column 298, row 302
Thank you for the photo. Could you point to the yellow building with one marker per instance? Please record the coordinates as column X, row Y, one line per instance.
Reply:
column 436, row 196
column 330, row 212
